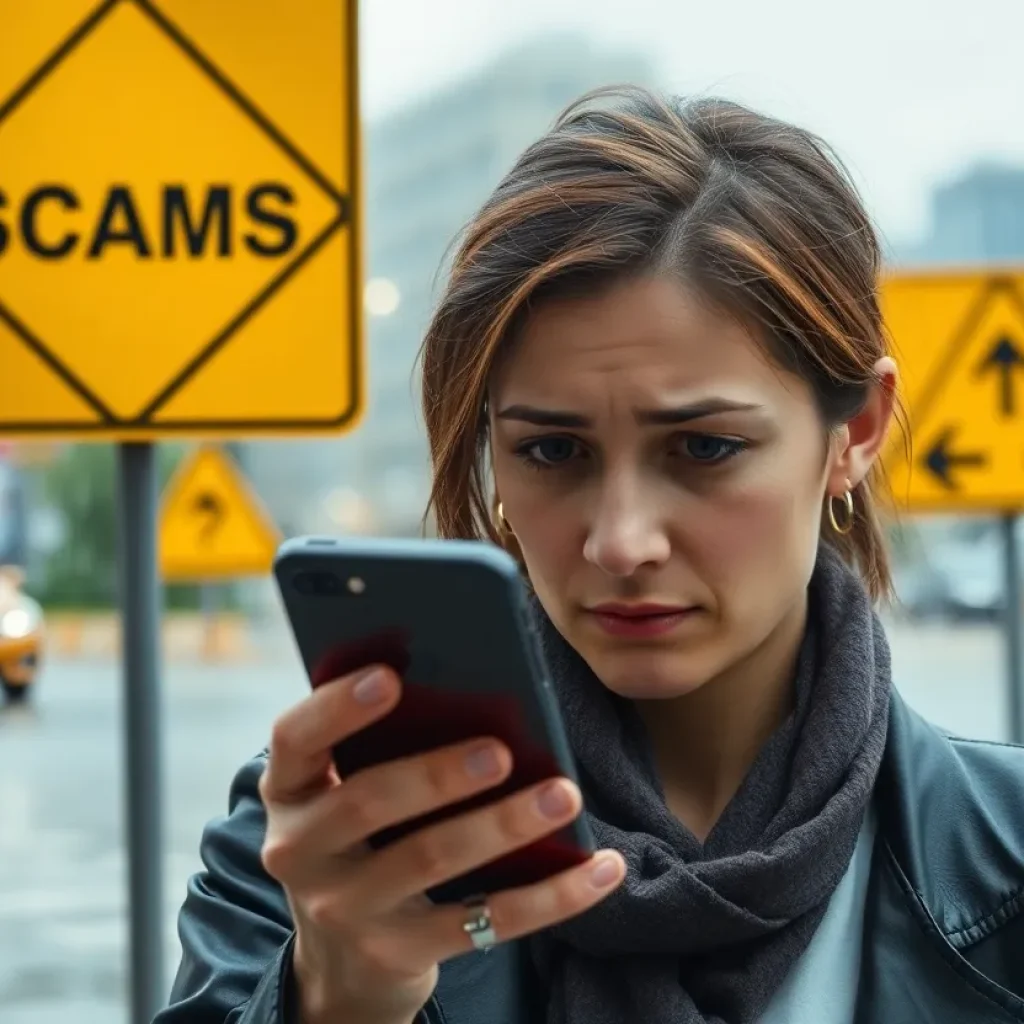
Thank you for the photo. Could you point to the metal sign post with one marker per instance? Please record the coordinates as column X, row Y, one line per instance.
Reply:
column 140, row 602
column 1013, row 629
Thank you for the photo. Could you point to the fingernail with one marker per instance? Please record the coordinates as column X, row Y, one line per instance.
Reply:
column 605, row 873
column 555, row 801
column 372, row 688
column 483, row 763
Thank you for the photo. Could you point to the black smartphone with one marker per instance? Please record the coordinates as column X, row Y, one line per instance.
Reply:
column 453, row 619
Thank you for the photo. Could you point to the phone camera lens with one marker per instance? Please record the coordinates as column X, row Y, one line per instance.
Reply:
column 322, row 584
column 328, row 584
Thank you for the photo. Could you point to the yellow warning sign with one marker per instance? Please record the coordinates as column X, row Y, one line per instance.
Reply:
column 179, row 218
column 212, row 524
column 959, row 340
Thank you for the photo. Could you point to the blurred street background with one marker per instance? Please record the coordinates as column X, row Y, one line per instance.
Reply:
column 921, row 98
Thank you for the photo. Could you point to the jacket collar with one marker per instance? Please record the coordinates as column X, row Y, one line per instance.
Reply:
column 951, row 813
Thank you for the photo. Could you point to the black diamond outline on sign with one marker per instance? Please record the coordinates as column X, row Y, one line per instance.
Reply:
column 144, row 421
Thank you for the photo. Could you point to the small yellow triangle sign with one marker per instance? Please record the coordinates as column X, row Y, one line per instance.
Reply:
column 968, row 421
column 212, row 524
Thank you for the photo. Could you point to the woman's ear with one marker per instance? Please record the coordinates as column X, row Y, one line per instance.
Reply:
column 863, row 437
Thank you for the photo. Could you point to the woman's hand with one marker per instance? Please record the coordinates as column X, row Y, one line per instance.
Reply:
column 368, row 941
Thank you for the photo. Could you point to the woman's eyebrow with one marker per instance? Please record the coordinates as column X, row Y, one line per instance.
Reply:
column 656, row 417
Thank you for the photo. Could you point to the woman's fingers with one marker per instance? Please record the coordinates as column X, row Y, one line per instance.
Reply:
column 302, row 738
column 398, row 791
column 441, row 852
column 439, row 933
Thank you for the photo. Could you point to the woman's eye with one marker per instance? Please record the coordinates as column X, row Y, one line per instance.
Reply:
column 549, row 451
column 708, row 448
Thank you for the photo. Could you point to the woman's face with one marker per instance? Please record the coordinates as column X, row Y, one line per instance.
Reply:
column 651, row 459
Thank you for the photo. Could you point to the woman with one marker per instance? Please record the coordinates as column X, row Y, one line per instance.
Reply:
column 658, row 374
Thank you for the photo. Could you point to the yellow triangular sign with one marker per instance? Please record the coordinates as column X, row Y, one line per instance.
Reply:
column 968, row 422
column 212, row 524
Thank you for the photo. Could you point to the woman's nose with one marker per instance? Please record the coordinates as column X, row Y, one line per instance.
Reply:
column 624, row 535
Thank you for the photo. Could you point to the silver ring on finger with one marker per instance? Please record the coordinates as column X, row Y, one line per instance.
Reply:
column 478, row 925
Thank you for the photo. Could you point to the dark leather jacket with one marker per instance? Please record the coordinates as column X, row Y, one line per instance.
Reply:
column 944, row 929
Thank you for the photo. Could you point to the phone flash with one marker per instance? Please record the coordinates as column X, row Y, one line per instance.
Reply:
column 356, row 585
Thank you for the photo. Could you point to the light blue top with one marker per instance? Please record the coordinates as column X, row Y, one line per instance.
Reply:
column 822, row 986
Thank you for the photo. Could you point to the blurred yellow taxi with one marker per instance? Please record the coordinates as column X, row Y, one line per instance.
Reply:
column 21, row 635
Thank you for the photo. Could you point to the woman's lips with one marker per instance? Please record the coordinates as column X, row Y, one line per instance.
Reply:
column 639, row 621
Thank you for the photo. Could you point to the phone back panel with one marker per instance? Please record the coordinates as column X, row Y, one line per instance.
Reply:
column 453, row 620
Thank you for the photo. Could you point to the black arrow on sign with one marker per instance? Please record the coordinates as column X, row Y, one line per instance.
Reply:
column 1004, row 359
column 209, row 505
column 941, row 462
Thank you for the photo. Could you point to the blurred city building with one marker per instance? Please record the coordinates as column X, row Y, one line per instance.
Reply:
column 977, row 217
column 429, row 166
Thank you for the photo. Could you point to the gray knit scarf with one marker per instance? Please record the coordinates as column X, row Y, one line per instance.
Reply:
column 707, row 933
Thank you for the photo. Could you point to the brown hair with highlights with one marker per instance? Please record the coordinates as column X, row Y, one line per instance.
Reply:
column 759, row 214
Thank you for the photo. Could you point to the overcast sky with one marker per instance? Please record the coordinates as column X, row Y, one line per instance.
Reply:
column 908, row 91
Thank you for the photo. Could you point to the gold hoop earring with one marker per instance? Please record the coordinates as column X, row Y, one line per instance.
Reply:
column 502, row 521
column 846, row 525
